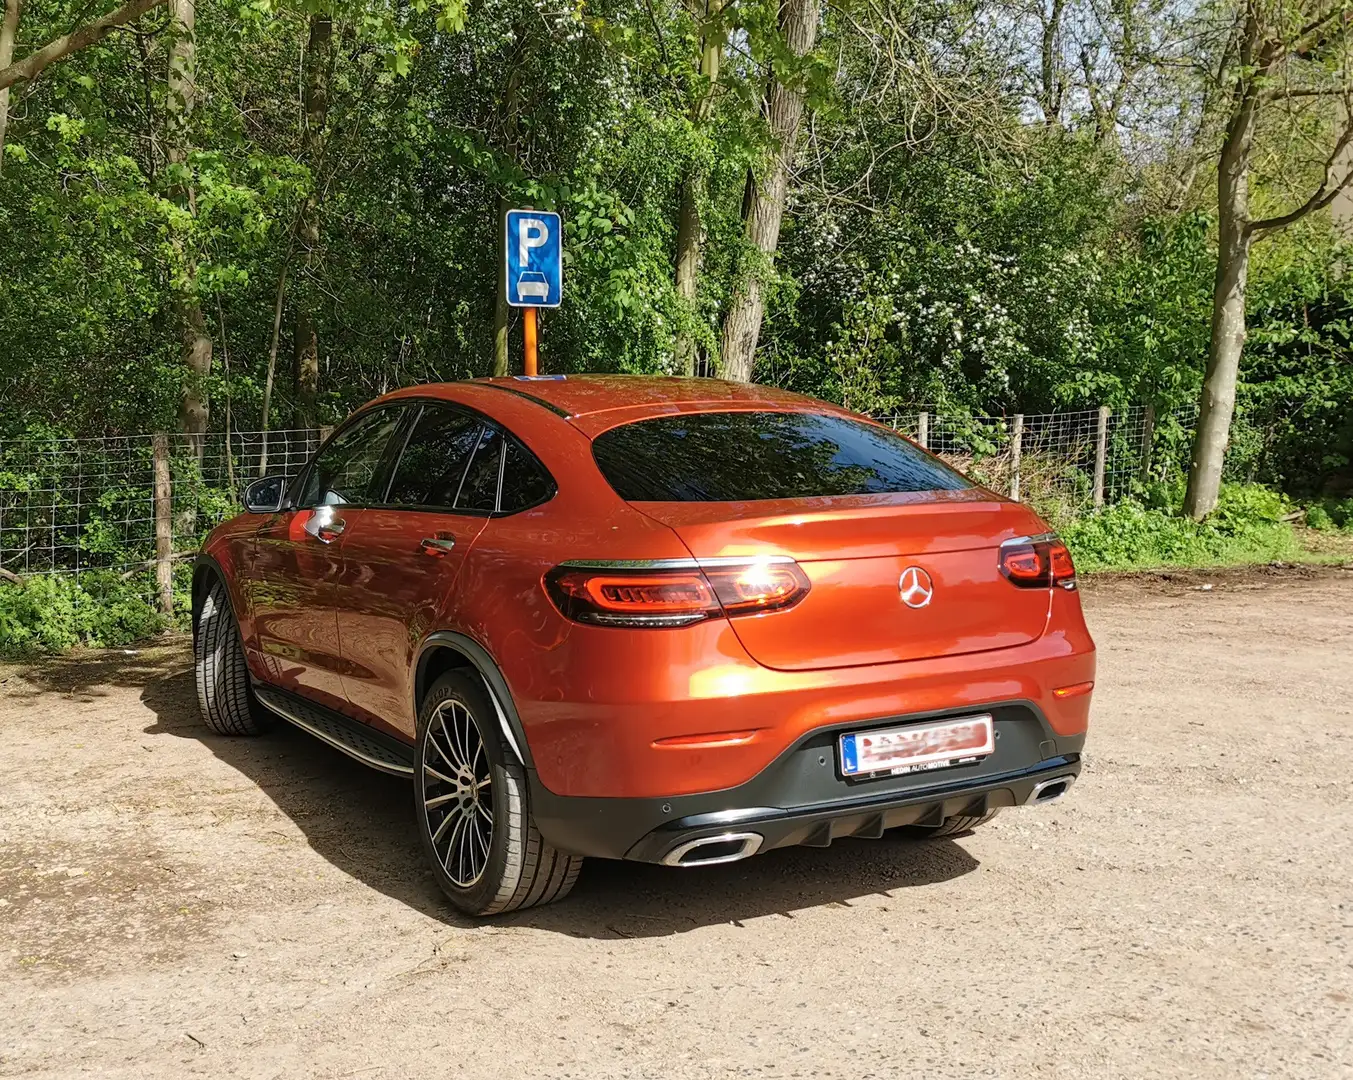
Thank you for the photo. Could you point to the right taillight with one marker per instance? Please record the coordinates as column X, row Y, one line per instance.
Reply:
column 1038, row 562
column 658, row 595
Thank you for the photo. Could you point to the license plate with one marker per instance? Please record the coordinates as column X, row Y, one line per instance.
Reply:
column 917, row 747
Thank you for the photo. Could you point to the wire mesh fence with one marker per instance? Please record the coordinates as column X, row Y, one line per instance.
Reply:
column 1064, row 463
column 71, row 506
column 74, row 505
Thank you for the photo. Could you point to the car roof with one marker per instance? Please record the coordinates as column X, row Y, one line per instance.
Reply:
column 595, row 403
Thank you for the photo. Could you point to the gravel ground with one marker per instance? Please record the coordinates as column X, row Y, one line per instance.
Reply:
column 174, row 903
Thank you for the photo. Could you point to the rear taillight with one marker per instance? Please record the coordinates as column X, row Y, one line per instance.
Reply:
column 1038, row 562
column 663, row 594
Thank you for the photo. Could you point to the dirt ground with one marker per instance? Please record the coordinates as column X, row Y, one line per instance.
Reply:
column 174, row 903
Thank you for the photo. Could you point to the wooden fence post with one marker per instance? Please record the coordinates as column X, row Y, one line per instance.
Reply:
column 1148, row 441
column 164, row 524
column 1016, row 450
column 923, row 430
column 324, row 430
column 1101, row 453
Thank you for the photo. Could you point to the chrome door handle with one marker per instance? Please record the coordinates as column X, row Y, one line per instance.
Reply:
column 332, row 531
column 436, row 546
column 325, row 526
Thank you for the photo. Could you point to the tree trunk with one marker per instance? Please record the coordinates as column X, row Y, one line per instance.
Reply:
column 1050, row 100
column 9, row 30
column 195, row 341
column 502, row 313
column 690, row 234
column 688, row 257
column 318, row 68
column 510, row 137
column 266, row 417
column 1228, row 310
column 742, row 323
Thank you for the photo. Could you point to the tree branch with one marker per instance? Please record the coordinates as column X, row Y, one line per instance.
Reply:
column 33, row 65
column 1321, row 197
column 1280, row 94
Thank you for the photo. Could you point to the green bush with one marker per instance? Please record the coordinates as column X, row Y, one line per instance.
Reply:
column 58, row 611
column 1317, row 517
column 1330, row 515
column 1246, row 526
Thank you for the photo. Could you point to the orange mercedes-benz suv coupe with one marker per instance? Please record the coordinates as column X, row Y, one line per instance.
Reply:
column 675, row 620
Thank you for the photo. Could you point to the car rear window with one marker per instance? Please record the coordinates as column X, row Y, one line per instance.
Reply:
column 737, row 456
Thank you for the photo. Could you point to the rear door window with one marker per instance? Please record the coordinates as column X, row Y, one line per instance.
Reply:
column 479, row 492
column 741, row 456
column 432, row 467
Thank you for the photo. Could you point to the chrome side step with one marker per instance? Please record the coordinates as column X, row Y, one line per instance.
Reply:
column 358, row 741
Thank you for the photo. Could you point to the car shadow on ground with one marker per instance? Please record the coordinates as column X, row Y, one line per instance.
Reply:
column 361, row 821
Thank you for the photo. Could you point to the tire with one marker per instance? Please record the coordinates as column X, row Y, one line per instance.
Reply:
column 475, row 818
column 223, row 691
column 954, row 826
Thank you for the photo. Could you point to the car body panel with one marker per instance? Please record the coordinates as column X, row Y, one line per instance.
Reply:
column 854, row 550
column 290, row 596
column 389, row 593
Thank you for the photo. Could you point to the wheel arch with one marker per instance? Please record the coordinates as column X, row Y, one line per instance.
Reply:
column 446, row 650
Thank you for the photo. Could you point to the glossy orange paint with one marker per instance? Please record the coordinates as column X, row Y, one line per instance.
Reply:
column 659, row 712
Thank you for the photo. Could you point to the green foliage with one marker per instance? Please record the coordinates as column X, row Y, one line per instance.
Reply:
column 1330, row 515
column 1247, row 526
column 1318, row 518
column 57, row 611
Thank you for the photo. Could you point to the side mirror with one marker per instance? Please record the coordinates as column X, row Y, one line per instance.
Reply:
column 265, row 496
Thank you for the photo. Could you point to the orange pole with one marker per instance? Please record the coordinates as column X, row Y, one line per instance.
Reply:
column 528, row 326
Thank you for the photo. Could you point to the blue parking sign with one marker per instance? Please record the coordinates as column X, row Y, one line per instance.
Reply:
column 535, row 264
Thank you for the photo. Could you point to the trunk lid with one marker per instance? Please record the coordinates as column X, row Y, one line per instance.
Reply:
column 855, row 551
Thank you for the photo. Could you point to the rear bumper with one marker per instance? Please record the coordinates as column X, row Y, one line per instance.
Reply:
column 801, row 797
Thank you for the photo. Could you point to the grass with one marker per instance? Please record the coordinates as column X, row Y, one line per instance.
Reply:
column 1251, row 525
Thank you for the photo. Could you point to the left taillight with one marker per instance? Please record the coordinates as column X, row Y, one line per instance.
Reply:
column 658, row 596
column 1038, row 562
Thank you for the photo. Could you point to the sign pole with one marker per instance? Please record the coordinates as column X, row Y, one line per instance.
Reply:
column 528, row 327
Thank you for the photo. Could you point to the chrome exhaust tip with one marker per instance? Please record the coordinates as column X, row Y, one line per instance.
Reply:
column 1046, row 791
column 724, row 848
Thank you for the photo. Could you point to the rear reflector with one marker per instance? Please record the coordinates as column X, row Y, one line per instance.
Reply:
column 663, row 595
column 1038, row 562
column 1074, row 690
column 707, row 742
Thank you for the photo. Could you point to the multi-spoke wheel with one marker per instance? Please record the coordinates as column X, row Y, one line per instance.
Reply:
column 473, row 807
column 457, row 795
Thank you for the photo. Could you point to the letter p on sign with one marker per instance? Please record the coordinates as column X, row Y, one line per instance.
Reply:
column 534, row 263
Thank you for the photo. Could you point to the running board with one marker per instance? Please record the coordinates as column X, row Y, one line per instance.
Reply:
column 357, row 740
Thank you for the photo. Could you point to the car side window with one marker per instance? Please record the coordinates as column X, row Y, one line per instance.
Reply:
column 479, row 492
column 525, row 482
column 432, row 467
column 346, row 470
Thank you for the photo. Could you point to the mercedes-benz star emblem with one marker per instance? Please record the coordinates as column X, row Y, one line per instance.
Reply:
column 915, row 587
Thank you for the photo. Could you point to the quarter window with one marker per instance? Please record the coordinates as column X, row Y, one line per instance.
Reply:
column 524, row 481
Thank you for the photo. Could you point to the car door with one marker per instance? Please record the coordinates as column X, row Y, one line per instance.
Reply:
column 297, row 560
column 401, row 558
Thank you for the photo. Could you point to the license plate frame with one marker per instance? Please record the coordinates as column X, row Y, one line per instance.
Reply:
column 924, row 746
